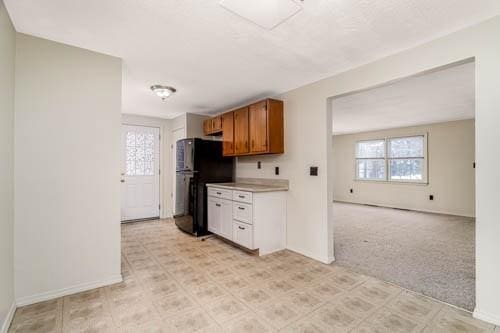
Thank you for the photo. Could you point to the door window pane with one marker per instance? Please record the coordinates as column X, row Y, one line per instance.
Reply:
column 139, row 152
column 407, row 169
column 371, row 169
column 370, row 149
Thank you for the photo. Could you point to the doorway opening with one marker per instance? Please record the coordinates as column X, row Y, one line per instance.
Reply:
column 404, row 182
column 140, row 176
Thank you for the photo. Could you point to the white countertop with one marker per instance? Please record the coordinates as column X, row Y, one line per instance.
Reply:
column 249, row 187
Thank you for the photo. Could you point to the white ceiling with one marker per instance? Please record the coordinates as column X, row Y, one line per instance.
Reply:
column 440, row 96
column 217, row 59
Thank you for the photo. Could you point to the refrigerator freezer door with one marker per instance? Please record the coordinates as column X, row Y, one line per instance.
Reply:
column 185, row 155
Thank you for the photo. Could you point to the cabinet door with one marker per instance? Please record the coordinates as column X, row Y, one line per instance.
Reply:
column 207, row 126
column 217, row 124
column 241, row 131
column 243, row 234
column 257, row 115
column 228, row 134
column 213, row 214
column 226, row 219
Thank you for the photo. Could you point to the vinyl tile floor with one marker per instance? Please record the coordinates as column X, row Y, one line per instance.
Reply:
column 176, row 283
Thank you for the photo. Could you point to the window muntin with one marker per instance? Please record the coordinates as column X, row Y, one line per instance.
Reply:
column 399, row 159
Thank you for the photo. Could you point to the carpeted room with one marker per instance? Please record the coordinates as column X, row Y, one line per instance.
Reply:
column 404, row 183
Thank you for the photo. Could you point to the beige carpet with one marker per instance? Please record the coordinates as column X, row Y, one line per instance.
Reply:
column 428, row 253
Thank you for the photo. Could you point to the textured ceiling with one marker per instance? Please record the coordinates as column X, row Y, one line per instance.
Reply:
column 443, row 95
column 217, row 60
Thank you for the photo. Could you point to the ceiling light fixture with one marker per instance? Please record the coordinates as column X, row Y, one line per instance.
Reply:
column 163, row 91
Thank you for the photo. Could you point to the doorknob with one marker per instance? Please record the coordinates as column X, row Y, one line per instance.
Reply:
column 122, row 180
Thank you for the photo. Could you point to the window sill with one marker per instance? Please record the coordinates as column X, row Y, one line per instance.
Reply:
column 394, row 182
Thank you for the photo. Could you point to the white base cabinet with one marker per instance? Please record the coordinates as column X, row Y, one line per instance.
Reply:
column 253, row 220
column 220, row 216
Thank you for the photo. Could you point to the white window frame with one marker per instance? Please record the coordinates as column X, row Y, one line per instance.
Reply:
column 356, row 159
column 387, row 159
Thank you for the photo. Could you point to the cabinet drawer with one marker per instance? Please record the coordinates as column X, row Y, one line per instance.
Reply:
column 220, row 193
column 243, row 234
column 242, row 212
column 242, row 196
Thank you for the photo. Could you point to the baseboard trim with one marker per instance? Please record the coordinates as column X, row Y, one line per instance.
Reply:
column 441, row 212
column 488, row 317
column 28, row 300
column 8, row 319
column 324, row 260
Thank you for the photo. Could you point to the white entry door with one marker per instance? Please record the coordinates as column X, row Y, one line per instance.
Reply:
column 140, row 172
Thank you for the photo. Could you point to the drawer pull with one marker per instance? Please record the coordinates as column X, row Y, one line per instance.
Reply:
column 241, row 196
column 218, row 205
column 241, row 208
column 241, row 228
column 219, row 193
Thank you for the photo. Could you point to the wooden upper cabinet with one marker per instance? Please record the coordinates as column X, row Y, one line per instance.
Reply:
column 241, row 131
column 275, row 127
column 252, row 130
column 258, row 127
column 207, row 127
column 228, row 134
column 212, row 126
column 217, row 124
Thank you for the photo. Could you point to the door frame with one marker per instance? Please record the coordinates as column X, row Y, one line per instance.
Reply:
column 163, row 171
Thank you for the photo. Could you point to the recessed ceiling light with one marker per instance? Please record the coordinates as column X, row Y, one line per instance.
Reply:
column 265, row 13
column 163, row 91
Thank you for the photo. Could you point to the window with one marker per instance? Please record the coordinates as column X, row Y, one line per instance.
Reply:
column 140, row 154
column 394, row 159
column 406, row 159
column 370, row 160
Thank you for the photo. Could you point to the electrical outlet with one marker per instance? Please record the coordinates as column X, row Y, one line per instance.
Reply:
column 259, row 165
column 276, row 170
column 351, row 190
column 313, row 171
column 431, row 197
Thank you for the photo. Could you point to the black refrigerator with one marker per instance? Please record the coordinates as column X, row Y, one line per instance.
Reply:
column 198, row 162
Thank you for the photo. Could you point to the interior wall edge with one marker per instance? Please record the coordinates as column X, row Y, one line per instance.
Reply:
column 8, row 319
column 487, row 317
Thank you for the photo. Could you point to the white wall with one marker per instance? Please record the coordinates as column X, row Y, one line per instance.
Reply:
column 67, row 169
column 7, row 59
column 450, row 171
column 308, row 141
column 194, row 126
